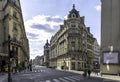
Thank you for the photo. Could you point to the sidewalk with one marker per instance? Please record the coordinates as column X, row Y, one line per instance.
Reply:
column 111, row 77
column 3, row 76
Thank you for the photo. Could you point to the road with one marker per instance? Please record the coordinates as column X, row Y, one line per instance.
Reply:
column 43, row 74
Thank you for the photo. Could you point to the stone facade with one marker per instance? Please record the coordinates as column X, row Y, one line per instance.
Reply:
column 72, row 46
column 39, row 60
column 96, row 61
column 11, row 24
column 110, row 35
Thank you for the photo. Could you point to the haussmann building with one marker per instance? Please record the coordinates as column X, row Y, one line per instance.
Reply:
column 11, row 24
column 72, row 46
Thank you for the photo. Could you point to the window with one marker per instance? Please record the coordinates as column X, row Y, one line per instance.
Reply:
column 73, row 15
column 14, row 26
column 72, row 31
column 15, row 14
column 73, row 45
column 83, row 35
column 73, row 24
column 14, row 1
column 83, row 42
column 14, row 38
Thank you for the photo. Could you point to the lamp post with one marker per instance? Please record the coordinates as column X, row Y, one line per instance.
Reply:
column 9, row 64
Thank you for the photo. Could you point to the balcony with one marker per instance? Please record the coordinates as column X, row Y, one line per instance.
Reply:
column 73, row 34
column 76, row 51
column 16, row 42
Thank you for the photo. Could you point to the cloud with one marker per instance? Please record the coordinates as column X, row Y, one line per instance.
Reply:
column 65, row 17
column 45, row 27
column 54, row 19
column 32, row 35
column 39, row 29
column 98, row 7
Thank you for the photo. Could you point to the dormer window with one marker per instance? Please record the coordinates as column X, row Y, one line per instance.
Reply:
column 73, row 15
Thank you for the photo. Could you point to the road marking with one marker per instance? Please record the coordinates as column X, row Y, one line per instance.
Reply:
column 37, row 71
column 69, row 79
column 78, row 77
column 56, row 80
column 47, row 81
column 63, row 80
column 74, row 78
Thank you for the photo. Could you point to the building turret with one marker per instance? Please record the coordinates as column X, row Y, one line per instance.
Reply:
column 46, row 54
column 73, row 13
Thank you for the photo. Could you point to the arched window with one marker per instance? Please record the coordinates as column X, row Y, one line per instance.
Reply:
column 73, row 15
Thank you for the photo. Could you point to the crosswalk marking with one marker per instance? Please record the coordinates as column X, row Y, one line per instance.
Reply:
column 79, row 77
column 37, row 71
column 63, row 80
column 74, row 78
column 33, row 71
column 69, row 79
column 55, row 80
column 47, row 81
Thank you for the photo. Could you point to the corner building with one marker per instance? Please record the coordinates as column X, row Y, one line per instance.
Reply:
column 11, row 24
column 72, row 46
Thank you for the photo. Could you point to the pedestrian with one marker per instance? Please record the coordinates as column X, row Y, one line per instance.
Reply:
column 30, row 66
column 14, row 68
column 89, row 72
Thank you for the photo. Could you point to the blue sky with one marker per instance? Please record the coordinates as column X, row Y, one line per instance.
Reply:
column 42, row 19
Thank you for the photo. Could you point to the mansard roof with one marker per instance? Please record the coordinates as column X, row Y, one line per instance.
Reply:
column 73, row 11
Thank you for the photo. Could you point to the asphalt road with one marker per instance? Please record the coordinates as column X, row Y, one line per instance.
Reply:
column 42, row 74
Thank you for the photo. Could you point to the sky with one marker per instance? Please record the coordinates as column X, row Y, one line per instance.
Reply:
column 42, row 19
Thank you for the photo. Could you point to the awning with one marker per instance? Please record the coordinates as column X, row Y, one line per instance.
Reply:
column 3, row 54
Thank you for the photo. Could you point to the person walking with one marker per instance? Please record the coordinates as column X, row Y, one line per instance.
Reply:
column 14, row 68
column 89, row 72
column 30, row 66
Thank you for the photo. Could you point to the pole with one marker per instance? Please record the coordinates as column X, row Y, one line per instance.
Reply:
column 9, row 65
